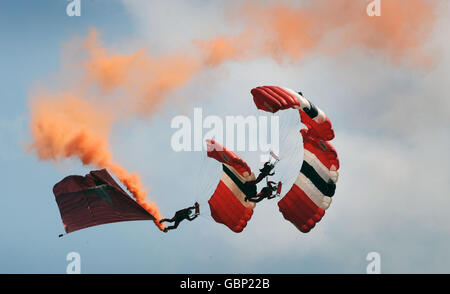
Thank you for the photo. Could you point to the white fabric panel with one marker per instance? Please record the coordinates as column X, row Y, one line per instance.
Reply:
column 321, row 169
column 313, row 193
column 235, row 189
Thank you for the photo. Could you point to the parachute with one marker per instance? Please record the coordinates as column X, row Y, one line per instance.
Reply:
column 227, row 203
column 93, row 200
column 311, row 194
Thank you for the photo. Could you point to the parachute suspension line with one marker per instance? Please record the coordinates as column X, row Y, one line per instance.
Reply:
column 201, row 190
column 289, row 121
column 203, row 174
column 206, row 184
column 203, row 208
column 290, row 140
column 200, row 171
column 295, row 122
column 207, row 217
column 205, row 188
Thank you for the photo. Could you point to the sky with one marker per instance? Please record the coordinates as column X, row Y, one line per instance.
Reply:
column 390, row 115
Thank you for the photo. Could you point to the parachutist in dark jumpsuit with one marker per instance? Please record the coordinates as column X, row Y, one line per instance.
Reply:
column 266, row 192
column 181, row 215
column 264, row 172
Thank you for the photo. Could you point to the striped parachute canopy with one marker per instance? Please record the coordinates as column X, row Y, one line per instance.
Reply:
column 227, row 204
column 93, row 200
column 305, row 203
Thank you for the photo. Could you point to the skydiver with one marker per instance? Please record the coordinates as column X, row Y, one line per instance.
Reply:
column 250, row 186
column 264, row 172
column 181, row 215
column 266, row 192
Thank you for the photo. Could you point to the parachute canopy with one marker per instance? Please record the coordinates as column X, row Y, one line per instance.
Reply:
column 273, row 99
column 305, row 203
column 95, row 199
column 227, row 204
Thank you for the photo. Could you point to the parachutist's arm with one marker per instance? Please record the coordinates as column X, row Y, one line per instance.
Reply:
column 264, row 172
column 272, row 196
column 192, row 218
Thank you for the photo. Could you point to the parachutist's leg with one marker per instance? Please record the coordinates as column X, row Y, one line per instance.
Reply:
column 260, row 177
column 248, row 197
column 177, row 222
column 167, row 220
column 257, row 199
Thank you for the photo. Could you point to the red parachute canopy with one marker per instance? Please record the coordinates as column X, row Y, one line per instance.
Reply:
column 273, row 99
column 227, row 204
column 305, row 203
column 93, row 200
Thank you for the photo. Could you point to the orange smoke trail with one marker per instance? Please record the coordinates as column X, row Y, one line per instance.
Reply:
column 66, row 126
column 146, row 79
column 287, row 32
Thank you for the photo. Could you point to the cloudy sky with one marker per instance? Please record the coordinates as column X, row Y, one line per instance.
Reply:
column 389, row 109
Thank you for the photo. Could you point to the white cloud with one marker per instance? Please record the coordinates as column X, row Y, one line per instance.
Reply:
column 171, row 25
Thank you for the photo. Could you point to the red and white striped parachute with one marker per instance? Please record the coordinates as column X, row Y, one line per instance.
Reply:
column 305, row 203
column 227, row 204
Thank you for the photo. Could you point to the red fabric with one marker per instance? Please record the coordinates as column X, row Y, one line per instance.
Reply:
column 297, row 208
column 228, row 210
column 323, row 150
column 82, row 205
column 272, row 98
column 222, row 154
column 322, row 131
